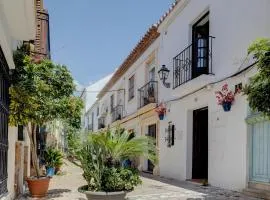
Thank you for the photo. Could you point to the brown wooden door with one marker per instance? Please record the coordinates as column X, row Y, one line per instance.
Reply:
column 151, row 133
column 200, row 144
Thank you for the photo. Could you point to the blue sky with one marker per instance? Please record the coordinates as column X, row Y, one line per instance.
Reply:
column 93, row 37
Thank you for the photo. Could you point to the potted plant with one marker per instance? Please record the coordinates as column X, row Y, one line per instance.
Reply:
column 59, row 164
column 161, row 110
column 225, row 97
column 40, row 92
column 102, row 158
column 53, row 159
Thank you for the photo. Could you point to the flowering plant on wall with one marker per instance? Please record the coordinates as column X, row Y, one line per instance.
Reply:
column 161, row 110
column 226, row 97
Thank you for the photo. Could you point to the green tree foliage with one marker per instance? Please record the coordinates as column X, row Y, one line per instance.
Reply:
column 258, row 89
column 41, row 92
column 73, row 141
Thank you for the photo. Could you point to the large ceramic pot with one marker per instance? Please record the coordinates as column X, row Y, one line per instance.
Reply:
column 103, row 195
column 38, row 187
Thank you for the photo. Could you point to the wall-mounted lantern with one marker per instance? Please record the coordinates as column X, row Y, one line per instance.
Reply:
column 163, row 74
column 170, row 135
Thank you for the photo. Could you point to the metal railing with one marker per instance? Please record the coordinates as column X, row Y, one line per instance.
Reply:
column 117, row 113
column 148, row 93
column 194, row 60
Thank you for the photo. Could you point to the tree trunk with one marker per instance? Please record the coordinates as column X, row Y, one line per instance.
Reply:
column 31, row 129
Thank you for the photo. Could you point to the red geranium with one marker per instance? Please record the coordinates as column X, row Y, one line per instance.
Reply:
column 225, row 95
column 161, row 109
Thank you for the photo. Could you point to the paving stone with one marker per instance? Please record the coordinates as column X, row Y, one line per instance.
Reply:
column 65, row 188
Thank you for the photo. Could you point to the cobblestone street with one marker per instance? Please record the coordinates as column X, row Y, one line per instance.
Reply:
column 64, row 187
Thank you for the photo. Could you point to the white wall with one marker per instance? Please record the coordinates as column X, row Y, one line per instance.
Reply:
column 227, row 138
column 138, row 69
column 88, row 115
column 15, row 24
column 235, row 24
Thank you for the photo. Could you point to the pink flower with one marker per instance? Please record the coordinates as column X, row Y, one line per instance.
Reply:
column 161, row 109
column 224, row 95
column 225, row 87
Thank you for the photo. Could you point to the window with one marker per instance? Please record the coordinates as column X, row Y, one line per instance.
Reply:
column 112, row 102
column 152, row 74
column 93, row 115
column 131, row 88
column 200, row 31
column 98, row 111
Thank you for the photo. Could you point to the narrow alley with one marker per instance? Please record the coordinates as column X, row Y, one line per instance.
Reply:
column 65, row 187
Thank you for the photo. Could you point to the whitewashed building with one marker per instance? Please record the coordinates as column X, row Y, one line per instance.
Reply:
column 129, row 98
column 91, row 106
column 17, row 24
column 204, row 45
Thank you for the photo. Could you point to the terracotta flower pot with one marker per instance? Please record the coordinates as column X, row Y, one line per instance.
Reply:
column 38, row 187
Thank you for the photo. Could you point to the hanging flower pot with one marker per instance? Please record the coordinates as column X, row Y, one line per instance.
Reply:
column 161, row 111
column 161, row 116
column 227, row 106
column 226, row 97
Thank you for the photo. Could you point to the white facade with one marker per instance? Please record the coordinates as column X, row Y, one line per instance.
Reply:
column 234, row 24
column 89, row 97
column 140, row 70
column 130, row 100
column 187, row 33
column 17, row 23
column 92, row 117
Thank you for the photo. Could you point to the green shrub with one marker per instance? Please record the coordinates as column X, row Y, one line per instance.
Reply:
column 53, row 157
column 101, row 157
column 120, row 179
column 258, row 89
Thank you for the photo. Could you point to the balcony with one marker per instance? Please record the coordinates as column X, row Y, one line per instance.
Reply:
column 193, row 61
column 148, row 94
column 117, row 113
column 101, row 122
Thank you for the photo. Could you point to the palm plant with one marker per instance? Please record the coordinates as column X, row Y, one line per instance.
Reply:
column 103, row 153
column 53, row 157
column 118, row 146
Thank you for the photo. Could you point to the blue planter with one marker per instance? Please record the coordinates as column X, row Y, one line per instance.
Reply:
column 161, row 116
column 227, row 106
column 50, row 171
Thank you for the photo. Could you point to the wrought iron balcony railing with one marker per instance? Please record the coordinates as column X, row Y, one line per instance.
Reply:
column 148, row 93
column 193, row 61
column 117, row 113
column 101, row 122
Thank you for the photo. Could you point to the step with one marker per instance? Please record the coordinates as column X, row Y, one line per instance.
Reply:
column 263, row 194
column 259, row 185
